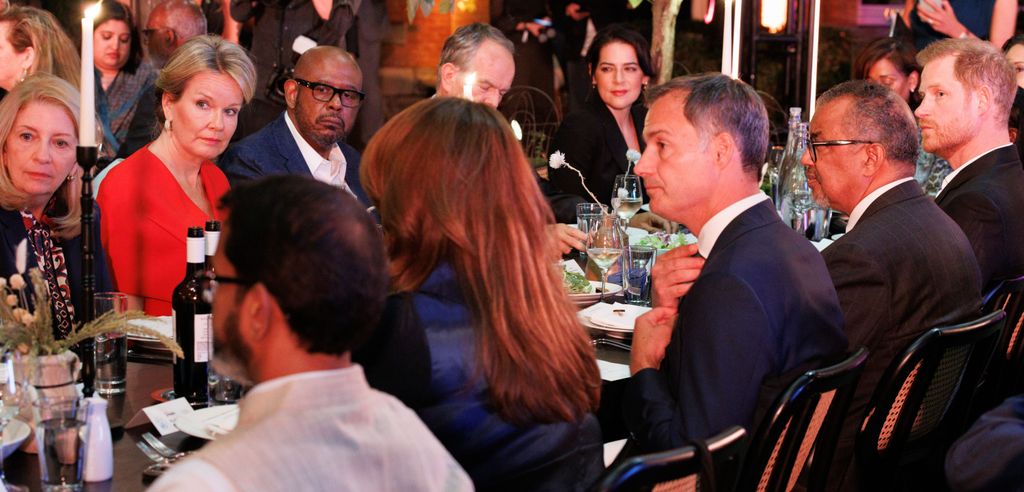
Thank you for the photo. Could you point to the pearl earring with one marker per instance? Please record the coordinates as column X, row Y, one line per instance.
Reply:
column 167, row 124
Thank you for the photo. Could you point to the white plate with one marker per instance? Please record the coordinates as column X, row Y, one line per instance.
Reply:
column 163, row 325
column 611, row 289
column 209, row 423
column 14, row 434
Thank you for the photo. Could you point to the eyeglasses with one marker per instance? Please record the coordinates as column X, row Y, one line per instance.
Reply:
column 813, row 146
column 146, row 33
column 210, row 281
column 325, row 93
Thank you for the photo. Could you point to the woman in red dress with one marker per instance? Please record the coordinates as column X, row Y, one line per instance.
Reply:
column 151, row 198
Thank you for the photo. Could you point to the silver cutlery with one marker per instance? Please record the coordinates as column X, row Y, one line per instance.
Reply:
column 607, row 342
column 163, row 449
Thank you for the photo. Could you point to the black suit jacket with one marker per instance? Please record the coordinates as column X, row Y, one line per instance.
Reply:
column 592, row 143
column 762, row 308
column 12, row 228
column 987, row 200
column 904, row 268
column 273, row 150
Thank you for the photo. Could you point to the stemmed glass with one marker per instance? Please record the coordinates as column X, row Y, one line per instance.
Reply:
column 12, row 395
column 627, row 196
column 604, row 246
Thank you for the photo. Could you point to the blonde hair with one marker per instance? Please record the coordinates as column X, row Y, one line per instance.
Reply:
column 39, row 29
column 204, row 54
column 46, row 89
column 536, row 358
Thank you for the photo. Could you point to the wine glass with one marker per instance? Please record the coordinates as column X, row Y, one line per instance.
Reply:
column 627, row 196
column 604, row 246
column 12, row 395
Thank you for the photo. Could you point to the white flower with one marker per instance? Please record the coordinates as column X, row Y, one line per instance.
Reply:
column 18, row 313
column 623, row 193
column 3, row 282
column 633, row 155
column 12, row 300
column 27, row 318
column 556, row 160
column 17, row 281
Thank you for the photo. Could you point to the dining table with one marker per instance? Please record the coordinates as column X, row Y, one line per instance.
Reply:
column 143, row 379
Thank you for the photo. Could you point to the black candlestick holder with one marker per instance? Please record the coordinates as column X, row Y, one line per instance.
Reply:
column 87, row 157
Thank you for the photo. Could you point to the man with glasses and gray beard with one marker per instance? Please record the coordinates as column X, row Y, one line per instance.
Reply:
column 893, row 284
column 301, row 281
column 323, row 99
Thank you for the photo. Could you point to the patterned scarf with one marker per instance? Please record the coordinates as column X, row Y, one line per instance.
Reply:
column 50, row 258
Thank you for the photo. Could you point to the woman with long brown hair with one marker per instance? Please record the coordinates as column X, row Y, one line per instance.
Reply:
column 479, row 337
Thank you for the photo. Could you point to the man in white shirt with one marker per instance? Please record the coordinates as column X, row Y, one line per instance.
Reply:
column 301, row 280
column 323, row 99
column 762, row 309
column 903, row 266
column 968, row 88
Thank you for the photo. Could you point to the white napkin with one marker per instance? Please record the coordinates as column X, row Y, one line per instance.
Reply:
column 572, row 266
column 163, row 325
column 618, row 316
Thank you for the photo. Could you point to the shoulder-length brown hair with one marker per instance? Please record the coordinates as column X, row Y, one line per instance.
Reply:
column 452, row 186
column 39, row 29
column 48, row 89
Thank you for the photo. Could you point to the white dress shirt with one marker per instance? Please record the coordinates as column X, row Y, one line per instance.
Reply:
column 331, row 170
column 949, row 177
column 323, row 430
column 864, row 203
column 714, row 226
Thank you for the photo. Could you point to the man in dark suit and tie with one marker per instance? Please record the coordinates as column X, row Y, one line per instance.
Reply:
column 323, row 100
column 968, row 89
column 903, row 265
column 763, row 307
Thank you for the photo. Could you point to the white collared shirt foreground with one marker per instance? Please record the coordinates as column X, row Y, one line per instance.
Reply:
column 331, row 171
column 716, row 224
column 325, row 430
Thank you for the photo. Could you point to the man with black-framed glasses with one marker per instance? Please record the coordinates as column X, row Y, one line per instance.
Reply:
column 903, row 265
column 323, row 99
column 301, row 282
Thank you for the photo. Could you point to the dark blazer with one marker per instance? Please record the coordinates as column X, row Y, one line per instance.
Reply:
column 592, row 143
column 987, row 200
column 12, row 228
column 424, row 354
column 904, row 268
column 273, row 150
column 762, row 310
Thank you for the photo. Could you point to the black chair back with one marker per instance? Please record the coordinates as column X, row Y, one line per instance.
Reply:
column 800, row 430
column 681, row 469
column 1004, row 376
column 922, row 400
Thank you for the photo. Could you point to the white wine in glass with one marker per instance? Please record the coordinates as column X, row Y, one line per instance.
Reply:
column 604, row 246
column 627, row 195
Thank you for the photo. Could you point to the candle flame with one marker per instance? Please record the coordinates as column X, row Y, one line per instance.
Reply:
column 93, row 12
column 773, row 15
column 517, row 130
column 467, row 85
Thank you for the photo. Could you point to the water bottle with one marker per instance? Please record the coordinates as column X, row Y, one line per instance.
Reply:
column 798, row 207
column 790, row 157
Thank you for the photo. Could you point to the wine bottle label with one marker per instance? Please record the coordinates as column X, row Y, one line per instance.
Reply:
column 212, row 238
column 202, row 337
column 195, row 248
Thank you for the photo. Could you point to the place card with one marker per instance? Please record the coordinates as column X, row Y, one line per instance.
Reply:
column 572, row 266
column 164, row 414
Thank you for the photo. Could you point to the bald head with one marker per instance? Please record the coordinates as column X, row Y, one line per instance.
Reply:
column 320, row 59
column 170, row 24
column 321, row 73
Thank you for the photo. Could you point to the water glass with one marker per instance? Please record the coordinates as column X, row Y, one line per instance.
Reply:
column 223, row 390
column 586, row 215
column 60, row 435
column 639, row 262
column 111, row 349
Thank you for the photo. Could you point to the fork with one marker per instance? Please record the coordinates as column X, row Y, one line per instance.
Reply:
column 165, row 452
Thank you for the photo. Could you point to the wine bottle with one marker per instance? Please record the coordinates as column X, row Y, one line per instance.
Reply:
column 191, row 314
column 212, row 239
